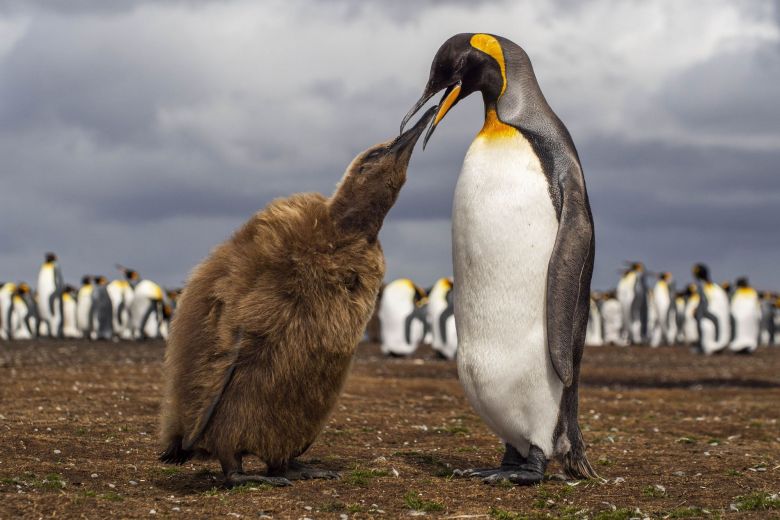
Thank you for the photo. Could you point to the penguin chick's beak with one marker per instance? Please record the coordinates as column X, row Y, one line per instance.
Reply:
column 408, row 139
column 450, row 98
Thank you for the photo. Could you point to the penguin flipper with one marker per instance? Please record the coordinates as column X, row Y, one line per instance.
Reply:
column 207, row 412
column 568, row 278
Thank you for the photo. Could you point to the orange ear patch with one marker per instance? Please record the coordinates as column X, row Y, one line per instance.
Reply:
column 490, row 46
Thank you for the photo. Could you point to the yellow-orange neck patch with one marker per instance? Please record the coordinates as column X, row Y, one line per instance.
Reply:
column 494, row 128
column 747, row 291
column 490, row 46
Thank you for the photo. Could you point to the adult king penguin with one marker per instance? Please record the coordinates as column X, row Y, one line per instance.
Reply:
column 612, row 318
column 523, row 248
column 441, row 318
column 594, row 335
column 664, row 305
column 84, row 307
column 690, row 321
column 50, row 287
column 7, row 291
column 70, row 327
column 746, row 314
column 402, row 317
column 22, row 318
column 632, row 294
column 121, row 293
column 102, row 312
column 713, row 313
column 767, row 319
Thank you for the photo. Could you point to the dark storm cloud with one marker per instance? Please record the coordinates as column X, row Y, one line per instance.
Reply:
column 79, row 7
column 735, row 92
column 401, row 11
column 145, row 132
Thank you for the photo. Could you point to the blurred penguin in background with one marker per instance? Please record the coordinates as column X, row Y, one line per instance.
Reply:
column 121, row 293
column 632, row 294
column 168, row 310
column 594, row 333
column 665, row 311
column 679, row 316
column 767, row 319
column 690, row 321
column 84, row 307
column 50, row 287
column 713, row 312
column 402, row 316
column 102, row 311
column 612, row 319
column 146, row 311
column 23, row 320
column 777, row 319
column 70, row 327
column 746, row 315
column 441, row 319
column 7, row 290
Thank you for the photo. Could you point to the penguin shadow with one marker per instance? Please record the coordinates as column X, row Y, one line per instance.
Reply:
column 435, row 464
column 208, row 479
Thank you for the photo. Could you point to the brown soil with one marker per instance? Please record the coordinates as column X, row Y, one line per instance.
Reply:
column 673, row 433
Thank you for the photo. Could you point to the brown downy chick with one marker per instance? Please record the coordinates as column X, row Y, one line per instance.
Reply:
column 265, row 330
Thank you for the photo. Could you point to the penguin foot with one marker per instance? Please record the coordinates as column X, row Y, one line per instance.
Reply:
column 514, row 468
column 298, row 471
column 494, row 476
column 239, row 479
column 521, row 477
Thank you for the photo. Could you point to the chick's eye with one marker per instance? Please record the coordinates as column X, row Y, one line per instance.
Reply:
column 374, row 154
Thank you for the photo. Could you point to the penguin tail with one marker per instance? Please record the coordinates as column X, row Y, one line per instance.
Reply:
column 175, row 453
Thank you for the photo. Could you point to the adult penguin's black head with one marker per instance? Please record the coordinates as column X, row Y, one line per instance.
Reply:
column 51, row 257
column 86, row 280
column 464, row 64
column 701, row 272
column 742, row 282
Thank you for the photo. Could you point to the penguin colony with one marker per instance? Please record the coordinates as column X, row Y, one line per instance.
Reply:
column 408, row 315
column 647, row 309
column 127, row 308
column 668, row 316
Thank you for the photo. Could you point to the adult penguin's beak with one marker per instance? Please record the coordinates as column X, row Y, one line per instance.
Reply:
column 450, row 98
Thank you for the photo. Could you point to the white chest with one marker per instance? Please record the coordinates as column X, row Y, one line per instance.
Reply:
column 504, row 230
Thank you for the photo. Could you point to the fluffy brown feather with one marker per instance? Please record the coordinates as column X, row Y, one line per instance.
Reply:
column 283, row 302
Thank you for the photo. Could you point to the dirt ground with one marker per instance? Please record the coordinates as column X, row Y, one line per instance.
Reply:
column 674, row 434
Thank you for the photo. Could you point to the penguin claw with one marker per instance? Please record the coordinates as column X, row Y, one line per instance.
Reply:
column 241, row 479
column 520, row 477
column 474, row 472
column 299, row 471
column 311, row 474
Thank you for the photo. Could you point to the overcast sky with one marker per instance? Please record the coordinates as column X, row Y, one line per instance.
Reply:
column 145, row 132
